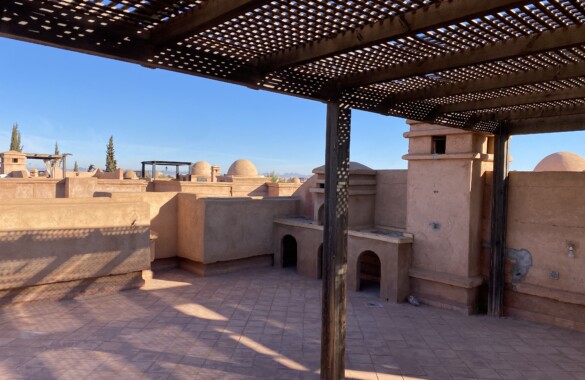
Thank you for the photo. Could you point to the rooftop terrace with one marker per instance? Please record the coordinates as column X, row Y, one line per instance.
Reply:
column 266, row 324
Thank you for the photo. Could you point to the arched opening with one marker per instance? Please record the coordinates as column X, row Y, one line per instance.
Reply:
column 289, row 251
column 320, row 265
column 321, row 215
column 369, row 271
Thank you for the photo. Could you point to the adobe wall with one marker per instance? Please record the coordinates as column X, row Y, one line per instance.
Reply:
column 60, row 247
column 213, row 189
column 390, row 209
column 163, row 219
column 546, row 213
column 31, row 188
column 216, row 230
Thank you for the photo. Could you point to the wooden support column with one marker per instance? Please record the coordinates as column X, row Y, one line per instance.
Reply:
column 335, row 242
column 499, row 216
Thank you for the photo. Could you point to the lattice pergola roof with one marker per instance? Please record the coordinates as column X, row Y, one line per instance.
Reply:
column 463, row 63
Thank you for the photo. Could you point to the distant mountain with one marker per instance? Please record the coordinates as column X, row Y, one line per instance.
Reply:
column 291, row 175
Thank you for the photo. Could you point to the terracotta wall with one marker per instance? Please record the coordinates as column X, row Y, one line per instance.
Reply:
column 163, row 219
column 546, row 213
column 216, row 229
column 31, row 188
column 52, row 241
column 391, row 199
column 213, row 189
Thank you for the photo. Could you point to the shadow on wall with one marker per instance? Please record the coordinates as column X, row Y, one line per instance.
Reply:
column 62, row 263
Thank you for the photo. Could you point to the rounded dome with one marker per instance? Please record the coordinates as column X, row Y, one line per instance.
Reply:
column 561, row 162
column 130, row 174
column 201, row 169
column 354, row 168
column 243, row 168
column 296, row 180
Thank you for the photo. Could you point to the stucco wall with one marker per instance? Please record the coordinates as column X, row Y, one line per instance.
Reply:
column 163, row 219
column 546, row 213
column 55, row 240
column 391, row 198
column 214, row 229
column 31, row 188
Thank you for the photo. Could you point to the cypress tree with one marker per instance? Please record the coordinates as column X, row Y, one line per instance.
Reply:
column 15, row 139
column 76, row 167
column 110, row 160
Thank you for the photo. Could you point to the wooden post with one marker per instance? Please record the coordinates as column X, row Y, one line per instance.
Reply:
column 143, row 170
column 335, row 242
column 499, row 216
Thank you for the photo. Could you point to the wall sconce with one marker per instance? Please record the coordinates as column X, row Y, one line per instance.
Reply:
column 571, row 250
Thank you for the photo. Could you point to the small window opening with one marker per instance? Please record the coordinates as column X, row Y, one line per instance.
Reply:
column 15, row 160
column 439, row 144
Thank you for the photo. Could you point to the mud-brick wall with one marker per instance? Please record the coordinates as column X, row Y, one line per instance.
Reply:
column 546, row 216
column 59, row 248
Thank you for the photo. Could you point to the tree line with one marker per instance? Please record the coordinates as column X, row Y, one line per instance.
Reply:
column 111, row 163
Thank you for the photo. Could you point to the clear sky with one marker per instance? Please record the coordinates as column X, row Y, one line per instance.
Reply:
column 79, row 101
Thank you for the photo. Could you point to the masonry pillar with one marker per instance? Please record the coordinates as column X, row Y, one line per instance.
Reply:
column 445, row 212
column 335, row 242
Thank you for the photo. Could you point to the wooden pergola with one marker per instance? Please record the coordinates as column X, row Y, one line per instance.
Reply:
column 503, row 67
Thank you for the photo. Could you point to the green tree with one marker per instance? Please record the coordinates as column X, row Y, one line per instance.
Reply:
column 76, row 167
column 274, row 177
column 15, row 139
column 110, row 161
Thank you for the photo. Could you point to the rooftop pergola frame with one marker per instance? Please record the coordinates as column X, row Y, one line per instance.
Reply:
column 461, row 63
column 154, row 163
column 502, row 67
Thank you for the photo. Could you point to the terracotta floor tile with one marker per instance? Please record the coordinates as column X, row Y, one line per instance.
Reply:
column 265, row 324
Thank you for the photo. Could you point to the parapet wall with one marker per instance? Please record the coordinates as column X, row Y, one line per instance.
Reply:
column 31, row 188
column 216, row 230
column 546, row 216
column 65, row 247
column 391, row 199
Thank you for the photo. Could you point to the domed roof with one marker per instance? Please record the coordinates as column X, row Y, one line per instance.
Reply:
column 201, row 168
column 354, row 167
column 296, row 180
column 130, row 174
column 561, row 162
column 243, row 168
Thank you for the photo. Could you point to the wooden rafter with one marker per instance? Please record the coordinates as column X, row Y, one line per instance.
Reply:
column 531, row 112
column 433, row 16
column 552, row 124
column 514, row 100
column 560, row 38
column 196, row 20
column 551, row 73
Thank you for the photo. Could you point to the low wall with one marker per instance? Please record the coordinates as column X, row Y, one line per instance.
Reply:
column 546, row 215
column 163, row 219
column 391, row 198
column 213, row 189
column 214, row 230
column 65, row 247
column 31, row 188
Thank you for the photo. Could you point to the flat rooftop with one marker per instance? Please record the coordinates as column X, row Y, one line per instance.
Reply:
column 266, row 324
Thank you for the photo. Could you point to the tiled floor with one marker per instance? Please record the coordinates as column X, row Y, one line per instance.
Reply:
column 265, row 324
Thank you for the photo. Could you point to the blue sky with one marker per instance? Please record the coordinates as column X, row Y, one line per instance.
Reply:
column 80, row 100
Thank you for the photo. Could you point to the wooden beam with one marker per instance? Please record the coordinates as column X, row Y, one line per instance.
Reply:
column 498, row 225
column 514, row 100
column 335, row 242
column 551, row 73
column 560, row 38
column 531, row 113
column 570, row 123
column 437, row 15
column 196, row 20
